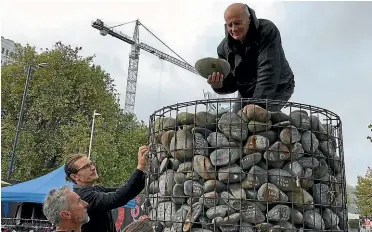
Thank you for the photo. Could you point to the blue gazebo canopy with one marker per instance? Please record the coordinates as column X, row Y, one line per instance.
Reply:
column 36, row 190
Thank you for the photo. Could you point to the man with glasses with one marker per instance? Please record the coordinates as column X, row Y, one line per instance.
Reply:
column 252, row 59
column 82, row 172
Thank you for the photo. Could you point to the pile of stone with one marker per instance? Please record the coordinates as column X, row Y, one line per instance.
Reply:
column 245, row 171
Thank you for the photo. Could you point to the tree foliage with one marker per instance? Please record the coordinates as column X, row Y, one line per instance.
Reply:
column 58, row 115
column 369, row 137
column 363, row 193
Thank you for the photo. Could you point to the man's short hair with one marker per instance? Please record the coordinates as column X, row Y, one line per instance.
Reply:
column 70, row 168
column 54, row 203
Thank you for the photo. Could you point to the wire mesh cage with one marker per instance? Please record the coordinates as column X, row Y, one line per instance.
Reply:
column 248, row 169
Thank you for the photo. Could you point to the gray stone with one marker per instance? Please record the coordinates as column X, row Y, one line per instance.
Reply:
column 251, row 213
column 185, row 118
column 251, row 194
column 300, row 120
column 310, row 142
column 301, row 199
column 207, row 66
column 336, row 164
column 257, row 113
column 205, row 119
column 256, row 143
column 222, row 157
column 165, row 212
column 296, row 217
column 278, row 116
column 201, row 130
column 173, row 164
column 250, row 160
column 203, row 166
column 290, row 135
column 230, row 200
column 184, row 167
column 271, row 194
column 219, row 211
column 194, row 213
column 282, row 179
column 321, row 194
column 233, row 126
column 161, row 153
column 180, row 217
column 255, row 178
column 218, row 140
column 271, row 135
column 181, row 146
column 231, row 174
column 330, row 219
column 307, row 180
column 313, row 220
column 308, row 162
column 210, row 199
column 178, row 196
column 294, row 168
column 229, row 220
column 214, row 185
column 255, row 126
column 279, row 213
column 200, row 145
column 296, row 151
column 277, row 152
column 206, row 224
column 193, row 188
column 321, row 170
column 163, row 165
column 237, row 191
column 246, row 227
column 166, row 183
column 154, row 187
column 327, row 149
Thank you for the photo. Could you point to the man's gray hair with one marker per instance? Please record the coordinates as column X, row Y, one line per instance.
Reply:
column 54, row 203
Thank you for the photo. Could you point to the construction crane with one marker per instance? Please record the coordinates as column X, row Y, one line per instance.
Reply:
column 130, row 95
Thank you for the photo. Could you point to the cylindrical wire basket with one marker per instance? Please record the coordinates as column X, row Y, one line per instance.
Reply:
column 250, row 170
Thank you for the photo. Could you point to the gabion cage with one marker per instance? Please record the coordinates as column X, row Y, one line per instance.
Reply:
column 250, row 170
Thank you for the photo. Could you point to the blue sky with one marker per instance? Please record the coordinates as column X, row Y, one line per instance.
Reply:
column 328, row 45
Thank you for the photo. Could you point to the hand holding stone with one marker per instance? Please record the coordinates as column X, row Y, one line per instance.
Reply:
column 215, row 80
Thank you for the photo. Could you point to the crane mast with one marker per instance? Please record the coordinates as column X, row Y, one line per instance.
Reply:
column 136, row 46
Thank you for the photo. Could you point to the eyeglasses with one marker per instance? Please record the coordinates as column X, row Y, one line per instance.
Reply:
column 88, row 165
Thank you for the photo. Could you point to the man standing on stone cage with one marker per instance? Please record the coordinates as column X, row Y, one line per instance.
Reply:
column 251, row 60
column 82, row 172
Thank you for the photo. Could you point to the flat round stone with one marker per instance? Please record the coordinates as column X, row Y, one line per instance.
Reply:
column 310, row 142
column 257, row 113
column 222, row 157
column 250, row 160
column 200, row 145
column 277, row 152
column 256, row 143
column 279, row 213
column 233, row 126
column 251, row 213
column 203, row 166
column 231, row 174
column 290, row 135
column 313, row 220
column 181, row 146
column 193, row 188
column 218, row 140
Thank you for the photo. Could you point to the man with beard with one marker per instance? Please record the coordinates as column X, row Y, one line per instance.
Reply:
column 82, row 172
column 251, row 60
column 65, row 210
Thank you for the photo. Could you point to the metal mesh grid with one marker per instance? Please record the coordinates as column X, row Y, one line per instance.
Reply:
column 251, row 170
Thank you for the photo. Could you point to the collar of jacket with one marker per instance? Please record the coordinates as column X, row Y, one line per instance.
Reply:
column 251, row 34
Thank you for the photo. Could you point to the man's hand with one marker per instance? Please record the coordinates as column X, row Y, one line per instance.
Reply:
column 142, row 157
column 215, row 80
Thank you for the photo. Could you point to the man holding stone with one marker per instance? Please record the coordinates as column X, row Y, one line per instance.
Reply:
column 251, row 60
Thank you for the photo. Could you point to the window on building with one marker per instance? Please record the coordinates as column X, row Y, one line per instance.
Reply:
column 2, row 50
column 6, row 52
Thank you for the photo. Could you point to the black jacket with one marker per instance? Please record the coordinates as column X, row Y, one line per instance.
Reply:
column 259, row 68
column 102, row 200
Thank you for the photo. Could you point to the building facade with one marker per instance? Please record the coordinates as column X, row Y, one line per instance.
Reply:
column 7, row 47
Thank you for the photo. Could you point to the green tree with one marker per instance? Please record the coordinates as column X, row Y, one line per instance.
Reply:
column 369, row 137
column 58, row 115
column 363, row 193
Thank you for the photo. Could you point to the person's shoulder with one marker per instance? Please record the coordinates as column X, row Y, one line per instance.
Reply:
column 222, row 45
column 267, row 30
